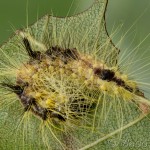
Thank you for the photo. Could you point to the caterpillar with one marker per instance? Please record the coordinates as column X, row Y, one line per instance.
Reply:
column 62, row 86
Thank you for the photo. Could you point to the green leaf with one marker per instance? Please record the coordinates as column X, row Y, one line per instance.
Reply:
column 115, row 123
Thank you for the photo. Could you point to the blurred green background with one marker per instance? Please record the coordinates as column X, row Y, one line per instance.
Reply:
column 134, row 16
column 13, row 14
column 131, row 17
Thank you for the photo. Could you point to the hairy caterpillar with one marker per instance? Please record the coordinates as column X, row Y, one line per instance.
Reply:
column 63, row 85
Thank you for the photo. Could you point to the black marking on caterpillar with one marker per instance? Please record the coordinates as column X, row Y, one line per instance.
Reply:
column 104, row 74
column 56, row 115
column 31, row 53
column 109, row 75
column 15, row 88
column 30, row 104
column 64, row 54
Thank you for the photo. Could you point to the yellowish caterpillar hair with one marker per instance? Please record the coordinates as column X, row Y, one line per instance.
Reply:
column 62, row 87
